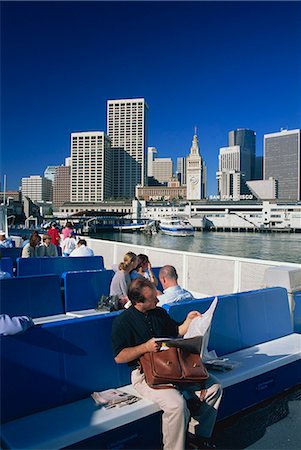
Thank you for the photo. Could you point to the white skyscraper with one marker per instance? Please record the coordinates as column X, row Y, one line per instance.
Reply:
column 195, row 172
column 91, row 167
column 151, row 152
column 231, row 175
column 127, row 127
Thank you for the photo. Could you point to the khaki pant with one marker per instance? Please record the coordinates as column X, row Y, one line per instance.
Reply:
column 176, row 414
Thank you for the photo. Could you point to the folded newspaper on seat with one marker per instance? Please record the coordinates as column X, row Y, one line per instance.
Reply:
column 113, row 398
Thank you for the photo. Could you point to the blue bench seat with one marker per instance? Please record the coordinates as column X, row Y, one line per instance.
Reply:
column 6, row 265
column 35, row 296
column 57, row 265
column 84, row 289
column 253, row 329
column 55, row 367
column 75, row 422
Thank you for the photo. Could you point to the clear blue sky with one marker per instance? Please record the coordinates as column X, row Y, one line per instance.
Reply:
column 214, row 65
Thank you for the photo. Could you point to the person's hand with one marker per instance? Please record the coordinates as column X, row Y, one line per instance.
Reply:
column 149, row 267
column 152, row 346
column 193, row 314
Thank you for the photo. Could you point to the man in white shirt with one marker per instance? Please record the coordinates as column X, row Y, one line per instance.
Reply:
column 6, row 243
column 172, row 292
column 82, row 249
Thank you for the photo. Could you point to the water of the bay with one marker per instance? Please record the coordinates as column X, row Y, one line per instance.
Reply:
column 285, row 247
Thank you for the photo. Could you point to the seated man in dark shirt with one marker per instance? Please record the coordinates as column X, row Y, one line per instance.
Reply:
column 133, row 335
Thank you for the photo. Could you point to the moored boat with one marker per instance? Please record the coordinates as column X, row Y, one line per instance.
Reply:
column 175, row 226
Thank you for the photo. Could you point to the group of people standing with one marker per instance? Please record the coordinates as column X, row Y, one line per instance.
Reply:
column 55, row 243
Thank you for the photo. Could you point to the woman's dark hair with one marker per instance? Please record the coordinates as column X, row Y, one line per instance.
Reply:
column 34, row 239
column 142, row 259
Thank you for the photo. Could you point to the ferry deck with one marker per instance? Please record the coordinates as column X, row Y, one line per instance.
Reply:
column 269, row 424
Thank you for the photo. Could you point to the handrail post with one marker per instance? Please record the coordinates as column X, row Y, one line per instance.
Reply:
column 185, row 272
column 237, row 276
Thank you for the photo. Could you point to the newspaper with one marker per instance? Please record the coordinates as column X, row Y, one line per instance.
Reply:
column 192, row 345
column 200, row 326
column 112, row 398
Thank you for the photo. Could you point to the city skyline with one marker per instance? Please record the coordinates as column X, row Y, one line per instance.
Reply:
column 217, row 66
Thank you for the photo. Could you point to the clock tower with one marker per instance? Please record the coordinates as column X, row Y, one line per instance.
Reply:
column 195, row 172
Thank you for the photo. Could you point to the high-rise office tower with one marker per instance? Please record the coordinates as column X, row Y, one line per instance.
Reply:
column 229, row 173
column 37, row 188
column 151, row 153
column 127, row 127
column 195, row 172
column 162, row 169
column 246, row 139
column 49, row 172
column 61, row 185
column 282, row 161
column 181, row 170
column 91, row 167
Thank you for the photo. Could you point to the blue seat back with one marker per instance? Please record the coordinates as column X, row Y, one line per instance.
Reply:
column 31, row 296
column 57, row 265
column 13, row 253
column 241, row 320
column 6, row 265
column 56, row 363
column 84, row 289
column 156, row 271
column 297, row 312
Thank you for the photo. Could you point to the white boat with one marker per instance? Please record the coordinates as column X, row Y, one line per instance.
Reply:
column 131, row 227
column 175, row 226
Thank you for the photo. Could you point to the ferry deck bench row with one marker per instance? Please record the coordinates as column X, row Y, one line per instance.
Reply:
column 42, row 298
column 49, row 372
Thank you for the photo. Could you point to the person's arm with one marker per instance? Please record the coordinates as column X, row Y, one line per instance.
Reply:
column 131, row 353
column 14, row 325
column 190, row 316
column 153, row 279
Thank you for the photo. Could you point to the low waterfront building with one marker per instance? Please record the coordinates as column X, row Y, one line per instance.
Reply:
column 173, row 191
column 236, row 216
column 71, row 208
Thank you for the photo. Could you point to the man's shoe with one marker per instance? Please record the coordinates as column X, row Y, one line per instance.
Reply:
column 199, row 443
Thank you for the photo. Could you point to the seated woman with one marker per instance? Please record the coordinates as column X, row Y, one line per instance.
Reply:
column 121, row 280
column 144, row 269
column 34, row 247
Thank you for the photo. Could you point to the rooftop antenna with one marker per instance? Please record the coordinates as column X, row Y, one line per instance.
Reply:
column 195, row 130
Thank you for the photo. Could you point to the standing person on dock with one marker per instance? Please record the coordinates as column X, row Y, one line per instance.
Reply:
column 67, row 230
column 133, row 335
column 54, row 234
column 69, row 244
column 172, row 292
column 121, row 280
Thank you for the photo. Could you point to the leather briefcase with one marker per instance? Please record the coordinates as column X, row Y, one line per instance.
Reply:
column 172, row 366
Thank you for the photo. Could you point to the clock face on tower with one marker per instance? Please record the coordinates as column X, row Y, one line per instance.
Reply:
column 194, row 180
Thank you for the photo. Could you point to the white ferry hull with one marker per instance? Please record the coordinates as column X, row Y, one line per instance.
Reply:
column 177, row 232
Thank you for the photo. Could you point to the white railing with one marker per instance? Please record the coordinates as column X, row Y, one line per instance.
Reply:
column 198, row 272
